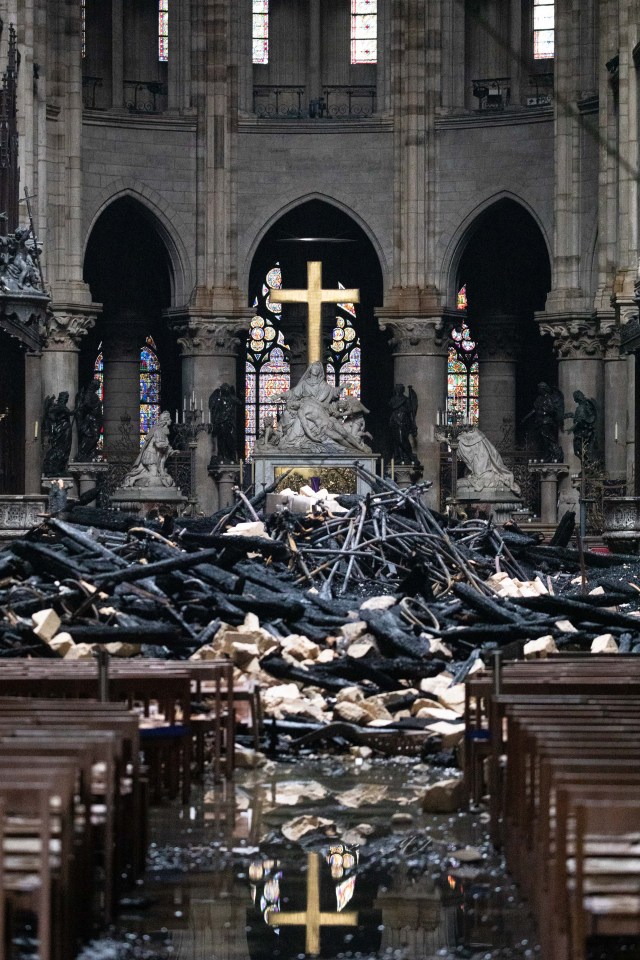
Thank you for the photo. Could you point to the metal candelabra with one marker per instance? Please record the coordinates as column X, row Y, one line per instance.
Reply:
column 187, row 433
column 449, row 429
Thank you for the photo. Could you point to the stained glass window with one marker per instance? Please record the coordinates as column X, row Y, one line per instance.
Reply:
column 462, row 372
column 83, row 21
column 364, row 31
column 163, row 30
column 543, row 29
column 343, row 368
column 260, row 32
column 149, row 387
column 267, row 364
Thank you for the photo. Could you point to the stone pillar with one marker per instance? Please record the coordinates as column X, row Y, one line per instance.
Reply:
column 615, row 406
column 578, row 347
column 121, row 352
column 550, row 474
column 209, row 347
column 117, row 53
column 62, row 335
column 420, row 348
column 33, row 423
column 314, row 82
column 497, row 369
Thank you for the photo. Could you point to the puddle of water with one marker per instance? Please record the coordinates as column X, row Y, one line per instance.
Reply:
column 376, row 879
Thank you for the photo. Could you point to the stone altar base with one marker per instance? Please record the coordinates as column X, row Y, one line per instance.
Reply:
column 19, row 514
column 143, row 499
column 336, row 472
column 500, row 503
column 550, row 474
column 622, row 524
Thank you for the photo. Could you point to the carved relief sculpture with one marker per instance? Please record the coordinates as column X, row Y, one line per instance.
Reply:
column 88, row 414
column 548, row 419
column 488, row 473
column 19, row 272
column 149, row 468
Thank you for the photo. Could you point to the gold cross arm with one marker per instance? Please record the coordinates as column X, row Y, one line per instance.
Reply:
column 314, row 296
column 313, row 918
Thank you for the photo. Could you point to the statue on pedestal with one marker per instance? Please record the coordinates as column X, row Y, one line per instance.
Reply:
column 402, row 423
column 88, row 414
column 584, row 425
column 488, row 474
column 223, row 410
column 149, row 469
column 56, row 430
column 18, row 263
column 548, row 420
column 315, row 420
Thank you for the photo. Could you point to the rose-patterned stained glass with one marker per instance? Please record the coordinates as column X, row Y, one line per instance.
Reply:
column 163, row 30
column 462, row 372
column 364, row 31
column 260, row 31
column 267, row 365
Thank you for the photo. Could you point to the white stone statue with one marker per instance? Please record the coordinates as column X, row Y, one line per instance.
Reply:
column 149, row 469
column 489, row 474
column 314, row 420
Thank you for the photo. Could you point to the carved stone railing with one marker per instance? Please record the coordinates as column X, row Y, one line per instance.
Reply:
column 492, row 92
column 284, row 101
column 541, row 87
column 90, row 87
column 145, row 96
column 352, row 102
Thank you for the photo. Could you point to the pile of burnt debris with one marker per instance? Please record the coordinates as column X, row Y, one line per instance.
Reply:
column 362, row 610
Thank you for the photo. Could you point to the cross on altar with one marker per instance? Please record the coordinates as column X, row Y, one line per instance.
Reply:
column 313, row 918
column 314, row 296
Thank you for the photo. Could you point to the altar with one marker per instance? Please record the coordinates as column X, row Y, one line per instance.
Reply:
column 335, row 473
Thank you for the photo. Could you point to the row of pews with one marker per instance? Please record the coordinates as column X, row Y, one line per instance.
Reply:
column 555, row 743
column 82, row 753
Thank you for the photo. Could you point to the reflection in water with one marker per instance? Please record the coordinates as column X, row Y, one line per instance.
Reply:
column 380, row 880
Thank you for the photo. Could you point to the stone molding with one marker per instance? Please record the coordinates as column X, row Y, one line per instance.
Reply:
column 574, row 339
column 65, row 330
column 200, row 337
column 426, row 336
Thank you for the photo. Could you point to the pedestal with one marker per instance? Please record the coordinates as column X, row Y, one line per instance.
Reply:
column 226, row 476
column 143, row 499
column 550, row 474
column 501, row 503
column 86, row 474
column 337, row 473
column 404, row 475
column 622, row 524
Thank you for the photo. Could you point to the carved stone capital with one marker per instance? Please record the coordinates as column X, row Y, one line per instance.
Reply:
column 65, row 330
column 204, row 337
column 428, row 336
column 498, row 337
column 573, row 339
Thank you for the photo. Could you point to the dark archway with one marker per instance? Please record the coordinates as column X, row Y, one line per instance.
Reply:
column 316, row 230
column 128, row 270
column 505, row 266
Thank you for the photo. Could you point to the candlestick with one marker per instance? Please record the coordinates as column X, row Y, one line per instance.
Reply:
column 35, row 430
column 184, row 403
column 615, row 432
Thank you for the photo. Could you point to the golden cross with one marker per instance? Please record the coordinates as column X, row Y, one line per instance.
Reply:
column 313, row 918
column 314, row 296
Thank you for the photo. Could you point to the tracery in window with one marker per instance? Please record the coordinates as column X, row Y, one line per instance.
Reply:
column 150, row 381
column 462, row 371
column 364, row 31
column 343, row 368
column 267, row 364
column 260, row 31
column 543, row 29
column 163, row 30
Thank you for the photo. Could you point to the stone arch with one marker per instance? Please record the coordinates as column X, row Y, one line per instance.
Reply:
column 460, row 238
column 259, row 232
column 170, row 225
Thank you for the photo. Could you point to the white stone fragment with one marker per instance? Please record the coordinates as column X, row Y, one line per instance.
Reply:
column 539, row 648
column 605, row 643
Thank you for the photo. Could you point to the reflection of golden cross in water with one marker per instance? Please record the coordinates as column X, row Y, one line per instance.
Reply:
column 314, row 296
column 313, row 918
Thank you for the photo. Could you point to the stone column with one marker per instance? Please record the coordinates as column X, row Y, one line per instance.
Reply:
column 314, row 81
column 209, row 347
column 117, row 53
column 420, row 347
column 33, row 423
column 578, row 347
column 497, row 369
column 121, row 352
column 62, row 335
column 615, row 406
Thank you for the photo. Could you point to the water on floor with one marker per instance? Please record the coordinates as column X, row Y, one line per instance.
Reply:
column 238, row 875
